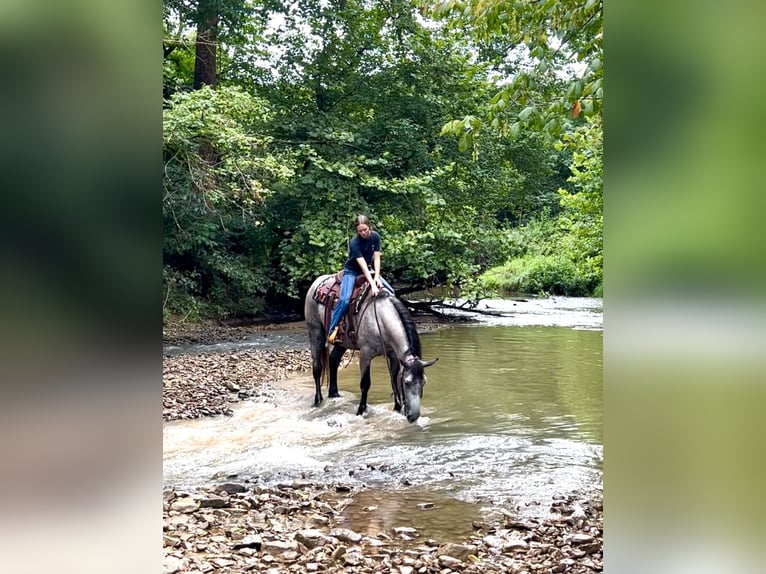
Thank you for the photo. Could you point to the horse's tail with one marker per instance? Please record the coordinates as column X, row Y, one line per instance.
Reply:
column 325, row 362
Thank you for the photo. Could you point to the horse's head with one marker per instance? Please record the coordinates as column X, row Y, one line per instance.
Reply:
column 412, row 379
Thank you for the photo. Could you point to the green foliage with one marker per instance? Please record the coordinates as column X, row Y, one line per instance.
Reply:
column 335, row 111
column 537, row 275
column 582, row 218
column 537, row 43
column 562, row 254
column 217, row 178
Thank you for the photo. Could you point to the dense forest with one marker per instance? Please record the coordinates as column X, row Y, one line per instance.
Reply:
column 469, row 132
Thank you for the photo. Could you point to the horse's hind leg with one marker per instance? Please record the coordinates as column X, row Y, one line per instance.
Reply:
column 316, row 342
column 335, row 357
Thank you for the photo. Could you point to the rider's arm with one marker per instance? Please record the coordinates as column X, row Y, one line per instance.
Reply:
column 366, row 271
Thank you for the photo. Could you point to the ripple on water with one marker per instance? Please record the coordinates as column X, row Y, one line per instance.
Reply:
column 509, row 415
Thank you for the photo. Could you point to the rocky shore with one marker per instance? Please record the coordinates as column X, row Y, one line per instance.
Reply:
column 243, row 526
column 237, row 527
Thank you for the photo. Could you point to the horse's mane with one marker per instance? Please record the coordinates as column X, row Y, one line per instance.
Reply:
column 409, row 325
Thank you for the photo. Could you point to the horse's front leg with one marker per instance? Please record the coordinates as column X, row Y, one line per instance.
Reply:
column 364, row 384
column 393, row 369
column 335, row 357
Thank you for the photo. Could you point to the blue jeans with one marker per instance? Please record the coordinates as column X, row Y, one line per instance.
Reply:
column 346, row 289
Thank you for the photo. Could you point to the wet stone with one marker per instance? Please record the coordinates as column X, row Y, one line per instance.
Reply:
column 346, row 535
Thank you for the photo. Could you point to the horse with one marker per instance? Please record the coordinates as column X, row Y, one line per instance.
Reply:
column 383, row 327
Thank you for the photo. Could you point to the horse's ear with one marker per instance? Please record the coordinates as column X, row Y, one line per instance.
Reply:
column 429, row 363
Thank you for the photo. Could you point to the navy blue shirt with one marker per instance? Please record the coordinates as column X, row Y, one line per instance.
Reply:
column 359, row 247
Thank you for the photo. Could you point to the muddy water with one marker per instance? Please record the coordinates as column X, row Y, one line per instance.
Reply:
column 511, row 416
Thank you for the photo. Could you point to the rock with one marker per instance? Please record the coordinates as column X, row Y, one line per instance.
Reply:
column 278, row 546
column 311, row 567
column 581, row 538
column 458, row 551
column 353, row 559
column 405, row 569
column 214, row 502
column 233, row 387
column 252, row 541
column 425, row 505
column 449, row 562
column 311, row 538
column 338, row 552
column 230, row 488
column 515, row 545
column 185, row 505
column 346, row 535
column 171, row 565
column 318, row 520
column 404, row 530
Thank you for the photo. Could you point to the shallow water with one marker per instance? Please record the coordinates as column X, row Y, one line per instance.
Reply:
column 511, row 415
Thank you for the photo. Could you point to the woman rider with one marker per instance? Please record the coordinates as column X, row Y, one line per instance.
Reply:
column 363, row 252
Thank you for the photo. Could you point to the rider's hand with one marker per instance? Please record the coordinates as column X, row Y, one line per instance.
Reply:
column 375, row 290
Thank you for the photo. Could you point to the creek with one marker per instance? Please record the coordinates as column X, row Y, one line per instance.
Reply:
column 511, row 417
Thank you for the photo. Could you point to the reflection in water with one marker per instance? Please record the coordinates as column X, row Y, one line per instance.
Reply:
column 377, row 512
column 510, row 415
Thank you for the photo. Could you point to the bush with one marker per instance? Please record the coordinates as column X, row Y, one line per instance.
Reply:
column 537, row 275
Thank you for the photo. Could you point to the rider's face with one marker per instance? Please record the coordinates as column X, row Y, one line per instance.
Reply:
column 363, row 230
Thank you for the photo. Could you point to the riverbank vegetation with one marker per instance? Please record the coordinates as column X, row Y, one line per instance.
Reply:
column 462, row 129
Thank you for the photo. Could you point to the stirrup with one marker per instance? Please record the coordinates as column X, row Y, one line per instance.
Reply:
column 332, row 336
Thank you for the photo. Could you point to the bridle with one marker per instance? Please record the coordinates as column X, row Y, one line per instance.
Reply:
column 411, row 359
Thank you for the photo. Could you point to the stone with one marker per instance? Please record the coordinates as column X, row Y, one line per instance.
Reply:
column 515, row 545
column 230, row 487
column 458, row 551
column 353, row 559
column 449, row 562
column 581, row 538
column 185, row 505
column 318, row 520
column 278, row 546
column 311, row 538
column 346, row 535
column 213, row 502
column 171, row 565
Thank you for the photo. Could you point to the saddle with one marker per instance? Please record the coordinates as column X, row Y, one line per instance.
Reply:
column 328, row 294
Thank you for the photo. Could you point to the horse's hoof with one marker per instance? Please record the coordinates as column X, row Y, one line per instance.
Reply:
column 334, row 395
column 317, row 402
column 360, row 411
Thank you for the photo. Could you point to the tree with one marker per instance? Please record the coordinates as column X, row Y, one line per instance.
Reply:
column 213, row 20
column 552, row 66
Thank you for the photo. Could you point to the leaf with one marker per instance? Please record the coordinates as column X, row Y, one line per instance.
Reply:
column 576, row 109
column 525, row 114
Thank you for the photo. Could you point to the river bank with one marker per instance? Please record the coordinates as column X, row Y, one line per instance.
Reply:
column 236, row 524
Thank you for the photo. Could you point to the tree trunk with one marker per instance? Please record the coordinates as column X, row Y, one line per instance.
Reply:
column 206, row 47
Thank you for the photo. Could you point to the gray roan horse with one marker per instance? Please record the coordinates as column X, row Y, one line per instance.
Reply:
column 384, row 327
